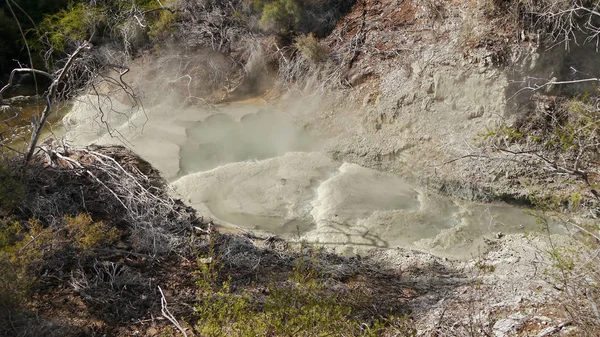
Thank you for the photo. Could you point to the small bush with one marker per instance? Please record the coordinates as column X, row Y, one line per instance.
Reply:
column 86, row 234
column 12, row 287
column 300, row 16
column 562, row 134
column 23, row 247
column 575, row 272
column 163, row 22
column 280, row 16
column 12, row 190
column 113, row 288
column 76, row 23
column 311, row 49
column 302, row 304
column 28, row 247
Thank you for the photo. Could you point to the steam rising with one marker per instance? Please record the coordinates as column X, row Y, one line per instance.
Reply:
column 255, row 166
column 221, row 139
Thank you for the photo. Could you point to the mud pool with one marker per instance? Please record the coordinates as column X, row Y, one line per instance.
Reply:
column 254, row 167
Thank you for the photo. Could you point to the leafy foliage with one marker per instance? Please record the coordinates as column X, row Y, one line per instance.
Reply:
column 561, row 134
column 54, row 27
column 280, row 16
column 299, row 16
column 76, row 23
column 311, row 49
column 301, row 305
column 162, row 25
column 87, row 234
column 12, row 190
column 23, row 245
column 573, row 270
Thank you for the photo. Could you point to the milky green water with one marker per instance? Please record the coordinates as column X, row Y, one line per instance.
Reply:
column 19, row 116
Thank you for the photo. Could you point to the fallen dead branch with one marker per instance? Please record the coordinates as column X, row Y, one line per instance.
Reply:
column 168, row 315
column 111, row 183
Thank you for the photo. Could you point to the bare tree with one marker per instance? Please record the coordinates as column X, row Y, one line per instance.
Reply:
column 89, row 69
column 563, row 21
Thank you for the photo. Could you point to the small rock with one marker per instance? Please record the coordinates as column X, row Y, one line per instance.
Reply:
column 429, row 87
column 205, row 260
column 503, row 327
column 122, row 245
column 499, row 235
column 426, row 103
column 547, row 331
column 368, row 100
column 437, row 87
column 416, row 68
column 478, row 112
column 569, row 331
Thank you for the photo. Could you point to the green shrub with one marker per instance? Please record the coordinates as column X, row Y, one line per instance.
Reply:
column 23, row 246
column 104, row 20
column 76, row 23
column 281, row 16
column 290, row 309
column 311, row 49
column 162, row 23
column 300, row 305
column 27, row 246
column 12, row 190
column 10, row 233
column 86, row 234
column 575, row 273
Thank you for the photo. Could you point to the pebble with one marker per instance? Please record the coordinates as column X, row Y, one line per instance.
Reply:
column 503, row 327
